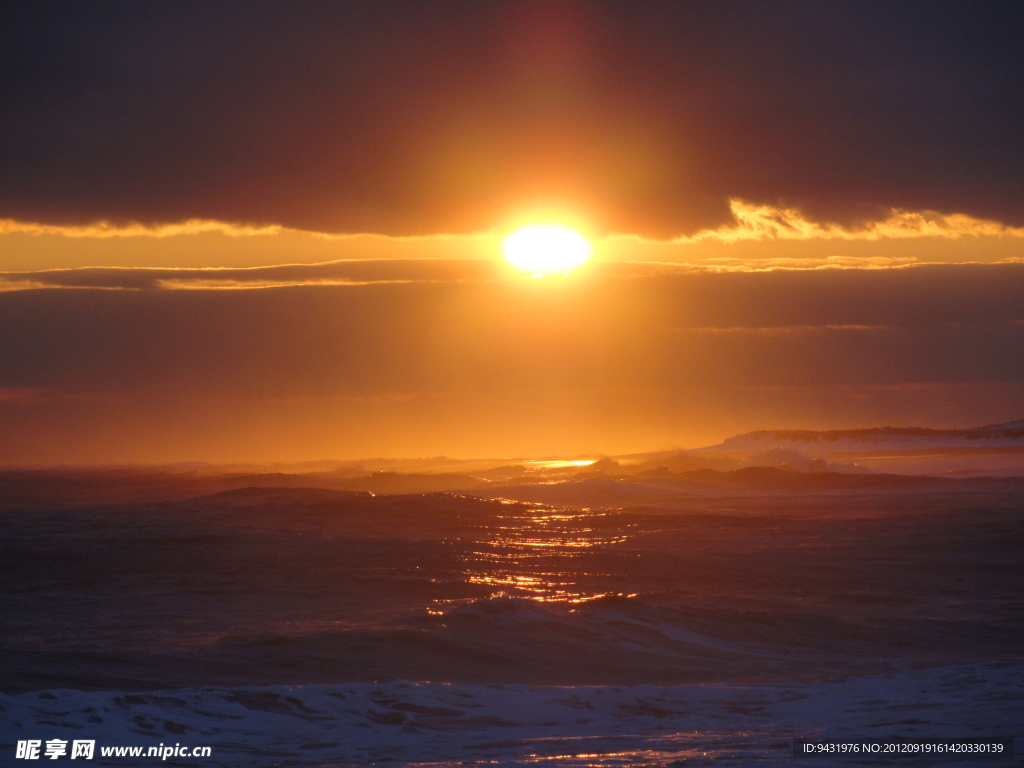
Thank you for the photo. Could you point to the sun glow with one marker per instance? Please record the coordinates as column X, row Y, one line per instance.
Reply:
column 546, row 249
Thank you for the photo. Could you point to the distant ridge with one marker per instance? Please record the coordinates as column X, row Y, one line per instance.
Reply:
column 1008, row 434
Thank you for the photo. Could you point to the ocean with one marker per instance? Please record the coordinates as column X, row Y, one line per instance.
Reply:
column 644, row 625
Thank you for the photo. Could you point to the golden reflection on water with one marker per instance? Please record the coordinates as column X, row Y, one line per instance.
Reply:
column 558, row 464
column 537, row 554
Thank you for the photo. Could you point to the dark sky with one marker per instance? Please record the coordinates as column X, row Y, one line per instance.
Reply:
column 426, row 117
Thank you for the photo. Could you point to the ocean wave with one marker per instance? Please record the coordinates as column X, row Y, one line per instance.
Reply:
column 407, row 723
column 613, row 639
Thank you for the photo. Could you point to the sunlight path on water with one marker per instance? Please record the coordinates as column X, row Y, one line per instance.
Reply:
column 537, row 554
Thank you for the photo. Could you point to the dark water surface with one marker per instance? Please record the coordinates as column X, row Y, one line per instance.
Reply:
column 622, row 623
column 300, row 586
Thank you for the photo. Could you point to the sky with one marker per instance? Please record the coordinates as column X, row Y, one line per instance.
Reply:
column 270, row 231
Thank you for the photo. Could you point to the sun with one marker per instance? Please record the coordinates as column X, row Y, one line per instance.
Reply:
column 546, row 249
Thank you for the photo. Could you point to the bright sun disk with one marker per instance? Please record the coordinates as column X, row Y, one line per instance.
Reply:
column 546, row 249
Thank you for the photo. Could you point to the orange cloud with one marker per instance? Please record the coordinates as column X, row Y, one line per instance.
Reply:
column 761, row 237
column 758, row 222
column 104, row 229
column 753, row 222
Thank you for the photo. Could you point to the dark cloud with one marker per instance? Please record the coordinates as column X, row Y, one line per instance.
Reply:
column 673, row 297
column 336, row 272
column 625, row 359
column 403, row 117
